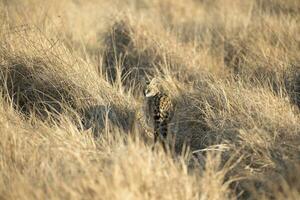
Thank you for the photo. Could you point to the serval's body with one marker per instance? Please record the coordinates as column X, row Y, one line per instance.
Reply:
column 161, row 109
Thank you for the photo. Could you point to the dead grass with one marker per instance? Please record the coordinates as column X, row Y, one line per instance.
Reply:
column 71, row 74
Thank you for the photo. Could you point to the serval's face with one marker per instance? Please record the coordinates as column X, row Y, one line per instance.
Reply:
column 152, row 88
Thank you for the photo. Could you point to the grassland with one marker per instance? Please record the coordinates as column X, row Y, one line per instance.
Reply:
column 71, row 74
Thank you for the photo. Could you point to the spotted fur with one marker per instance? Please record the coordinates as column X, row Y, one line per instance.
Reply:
column 161, row 109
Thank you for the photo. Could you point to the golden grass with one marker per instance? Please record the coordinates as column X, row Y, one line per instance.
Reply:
column 71, row 74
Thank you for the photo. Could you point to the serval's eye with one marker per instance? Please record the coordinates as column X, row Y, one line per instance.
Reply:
column 147, row 82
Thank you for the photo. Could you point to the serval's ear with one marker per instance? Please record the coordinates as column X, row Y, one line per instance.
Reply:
column 144, row 81
column 144, row 84
column 147, row 79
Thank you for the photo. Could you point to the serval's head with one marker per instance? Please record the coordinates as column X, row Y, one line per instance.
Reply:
column 152, row 88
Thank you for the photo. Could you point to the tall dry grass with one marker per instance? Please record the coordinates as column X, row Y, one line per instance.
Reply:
column 71, row 74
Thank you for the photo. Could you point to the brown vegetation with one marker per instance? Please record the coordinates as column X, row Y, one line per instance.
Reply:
column 71, row 74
